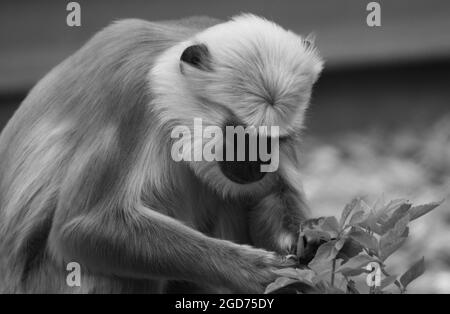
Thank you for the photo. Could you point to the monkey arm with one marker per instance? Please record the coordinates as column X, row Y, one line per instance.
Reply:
column 104, row 227
column 142, row 243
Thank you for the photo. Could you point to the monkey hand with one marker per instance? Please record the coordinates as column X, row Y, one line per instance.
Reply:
column 257, row 269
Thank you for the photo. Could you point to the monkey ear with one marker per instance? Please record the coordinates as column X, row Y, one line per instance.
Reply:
column 309, row 41
column 197, row 56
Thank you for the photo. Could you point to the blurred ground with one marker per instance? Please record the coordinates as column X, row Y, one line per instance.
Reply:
column 384, row 133
column 383, row 165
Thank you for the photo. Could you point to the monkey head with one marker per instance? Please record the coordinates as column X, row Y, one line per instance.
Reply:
column 247, row 72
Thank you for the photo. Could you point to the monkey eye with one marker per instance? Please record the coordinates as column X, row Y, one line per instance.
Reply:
column 197, row 56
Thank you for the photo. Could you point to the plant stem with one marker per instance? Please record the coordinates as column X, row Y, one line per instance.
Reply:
column 332, row 272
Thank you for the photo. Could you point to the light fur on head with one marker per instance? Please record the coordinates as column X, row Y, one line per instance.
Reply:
column 260, row 74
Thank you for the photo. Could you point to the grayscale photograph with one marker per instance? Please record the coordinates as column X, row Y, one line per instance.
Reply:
column 225, row 155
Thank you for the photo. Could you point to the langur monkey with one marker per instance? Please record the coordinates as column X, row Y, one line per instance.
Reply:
column 86, row 173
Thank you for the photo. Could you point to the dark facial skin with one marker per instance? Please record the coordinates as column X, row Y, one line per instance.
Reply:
column 247, row 171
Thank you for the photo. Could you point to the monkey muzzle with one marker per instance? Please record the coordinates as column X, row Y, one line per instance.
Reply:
column 248, row 170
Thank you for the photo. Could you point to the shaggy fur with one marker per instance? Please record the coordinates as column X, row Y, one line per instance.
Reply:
column 86, row 173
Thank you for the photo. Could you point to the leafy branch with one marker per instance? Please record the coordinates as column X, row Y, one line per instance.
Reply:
column 331, row 252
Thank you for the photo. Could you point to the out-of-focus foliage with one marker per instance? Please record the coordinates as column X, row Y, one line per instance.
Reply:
column 378, row 166
column 357, row 245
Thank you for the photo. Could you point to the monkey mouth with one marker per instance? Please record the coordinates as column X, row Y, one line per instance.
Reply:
column 248, row 170
column 242, row 172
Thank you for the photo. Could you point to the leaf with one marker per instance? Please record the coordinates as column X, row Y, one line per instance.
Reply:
column 395, row 233
column 386, row 282
column 330, row 225
column 362, row 214
column 354, row 266
column 287, row 272
column 399, row 286
column 304, row 275
column 347, row 211
column 357, row 217
column 394, row 239
column 393, row 206
column 289, row 285
column 323, row 277
column 386, row 211
column 401, row 226
column 398, row 214
column 363, row 206
column 418, row 211
column 340, row 282
column 390, row 248
column 415, row 271
column 309, row 251
column 365, row 239
column 334, row 290
column 340, row 243
column 370, row 224
column 279, row 283
column 313, row 233
column 379, row 204
column 350, row 249
column 325, row 254
column 384, row 219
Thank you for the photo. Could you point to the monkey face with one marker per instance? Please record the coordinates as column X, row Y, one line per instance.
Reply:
column 249, row 70
column 262, row 75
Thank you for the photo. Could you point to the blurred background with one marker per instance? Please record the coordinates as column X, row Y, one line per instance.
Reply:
column 379, row 123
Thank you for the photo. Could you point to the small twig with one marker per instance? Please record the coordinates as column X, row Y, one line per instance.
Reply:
column 333, row 269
